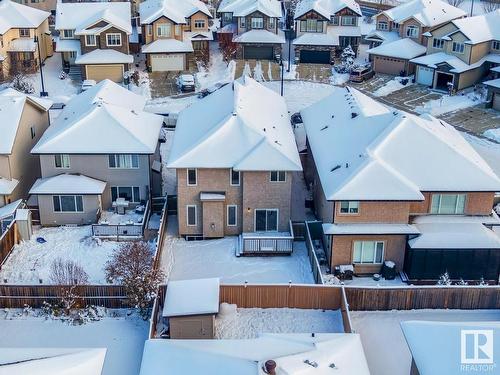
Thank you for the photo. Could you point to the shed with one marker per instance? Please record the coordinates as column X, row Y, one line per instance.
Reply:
column 191, row 306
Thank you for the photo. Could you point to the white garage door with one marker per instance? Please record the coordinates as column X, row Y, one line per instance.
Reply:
column 425, row 76
column 165, row 63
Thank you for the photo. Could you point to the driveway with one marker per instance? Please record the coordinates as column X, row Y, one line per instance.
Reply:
column 261, row 70
column 475, row 120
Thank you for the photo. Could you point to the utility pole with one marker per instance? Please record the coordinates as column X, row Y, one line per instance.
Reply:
column 43, row 92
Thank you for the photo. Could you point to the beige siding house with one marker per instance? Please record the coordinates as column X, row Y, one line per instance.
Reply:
column 83, row 174
column 235, row 154
column 23, row 120
column 391, row 186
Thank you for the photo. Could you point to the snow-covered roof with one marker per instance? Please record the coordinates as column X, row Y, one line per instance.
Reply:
column 198, row 35
column 317, row 39
column 259, row 36
column 104, row 56
column 22, row 45
column 167, row 45
column 495, row 69
column 66, row 183
column 480, row 28
column 458, row 66
column 175, row 10
column 247, row 356
column 7, row 186
column 404, row 48
column 49, row 361
column 242, row 8
column 428, row 12
column 244, row 126
column 372, row 228
column 12, row 104
column 364, row 150
column 110, row 111
column 14, row 15
column 192, row 297
column 384, row 36
column 83, row 15
column 68, row 45
column 9, row 209
column 327, row 8
column 493, row 83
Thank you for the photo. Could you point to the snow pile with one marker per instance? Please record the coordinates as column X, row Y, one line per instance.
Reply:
column 144, row 84
column 447, row 103
column 290, row 75
column 493, row 134
column 339, row 79
column 216, row 72
column 31, row 261
column 250, row 323
column 171, row 105
column 394, row 85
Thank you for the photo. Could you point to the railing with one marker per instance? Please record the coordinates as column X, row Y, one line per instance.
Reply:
column 162, row 230
column 134, row 230
column 313, row 259
column 267, row 243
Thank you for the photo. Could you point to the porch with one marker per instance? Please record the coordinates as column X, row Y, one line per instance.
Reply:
column 266, row 243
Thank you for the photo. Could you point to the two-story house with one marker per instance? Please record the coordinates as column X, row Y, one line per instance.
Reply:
column 460, row 53
column 235, row 155
column 392, row 186
column 24, row 38
column 255, row 27
column 324, row 28
column 401, row 33
column 100, row 148
column 94, row 39
column 23, row 120
column 175, row 33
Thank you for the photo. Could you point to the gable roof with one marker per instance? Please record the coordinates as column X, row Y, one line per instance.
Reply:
column 244, row 126
column 12, row 105
column 241, row 8
column 404, row 48
column 481, row 28
column 14, row 15
column 428, row 12
column 364, row 150
column 326, row 8
column 175, row 10
column 66, row 183
column 80, row 16
column 110, row 111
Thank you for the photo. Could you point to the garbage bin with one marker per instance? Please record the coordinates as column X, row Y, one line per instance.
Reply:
column 389, row 270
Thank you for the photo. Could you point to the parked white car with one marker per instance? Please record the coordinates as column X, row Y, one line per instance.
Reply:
column 186, row 82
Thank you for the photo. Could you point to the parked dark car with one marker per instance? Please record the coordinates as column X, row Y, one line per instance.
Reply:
column 361, row 74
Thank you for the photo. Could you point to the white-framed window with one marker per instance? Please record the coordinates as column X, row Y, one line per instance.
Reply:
column 448, row 204
column 199, row 24
column 90, row 40
column 71, row 54
column 257, row 22
column 149, row 30
column 129, row 193
column 458, row 47
column 311, row 26
column 191, row 215
column 438, row 43
column 227, row 17
column 266, row 220
column 349, row 207
column 412, row 31
column 24, row 33
column 242, row 22
column 62, row 161
column 192, row 177
column 68, row 34
column 232, row 215
column 335, row 20
column 67, row 203
column 234, row 178
column 348, row 21
column 123, row 161
column 495, row 45
column 270, row 24
column 164, row 30
column 382, row 25
column 114, row 39
column 395, row 25
column 278, row 176
column 177, row 29
column 368, row 252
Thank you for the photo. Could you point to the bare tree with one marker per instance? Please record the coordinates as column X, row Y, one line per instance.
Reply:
column 132, row 266
column 455, row 3
column 490, row 5
column 227, row 47
column 22, row 83
column 68, row 275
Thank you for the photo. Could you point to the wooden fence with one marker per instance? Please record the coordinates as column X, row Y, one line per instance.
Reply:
column 162, row 230
column 8, row 240
column 313, row 259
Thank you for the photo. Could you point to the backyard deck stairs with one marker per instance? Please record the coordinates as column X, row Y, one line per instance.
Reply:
column 75, row 73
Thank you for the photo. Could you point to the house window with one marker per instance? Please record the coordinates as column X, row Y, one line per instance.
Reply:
column 227, row 17
column 266, row 220
column 149, row 30
column 62, row 161
column 348, row 21
column 68, row 203
column 311, row 26
column 270, row 24
column 412, row 31
column 235, row 178
column 113, row 39
column 335, row 20
column 90, row 40
column 395, row 25
column 123, row 161
column 349, row 207
column 382, row 25
column 232, row 216
column 68, row 34
column 368, row 252
column 32, row 131
column 192, row 177
column 199, row 24
column 257, row 22
column 278, row 176
column 71, row 54
column 24, row 33
column 242, row 22
column 177, row 29
column 438, row 43
column 164, row 30
column 191, row 215
column 495, row 45
column 458, row 47
column 448, row 204
column 129, row 193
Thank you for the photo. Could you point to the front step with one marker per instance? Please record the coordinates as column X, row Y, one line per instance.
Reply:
column 75, row 73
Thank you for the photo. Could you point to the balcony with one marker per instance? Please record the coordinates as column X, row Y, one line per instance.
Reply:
column 266, row 243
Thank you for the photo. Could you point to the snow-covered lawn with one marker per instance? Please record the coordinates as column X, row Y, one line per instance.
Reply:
column 393, row 85
column 31, row 261
column 383, row 341
column 447, row 103
column 130, row 216
column 123, row 337
column 236, row 323
column 493, row 134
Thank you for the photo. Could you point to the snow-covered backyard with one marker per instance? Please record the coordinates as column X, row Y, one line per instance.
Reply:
column 30, row 261
column 240, row 323
column 383, row 341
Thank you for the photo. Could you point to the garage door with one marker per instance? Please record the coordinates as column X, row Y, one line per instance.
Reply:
column 258, row 53
column 315, row 57
column 167, row 62
column 425, row 76
column 100, row 72
column 388, row 65
column 496, row 101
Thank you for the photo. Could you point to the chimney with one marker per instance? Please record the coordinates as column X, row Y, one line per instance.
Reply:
column 270, row 367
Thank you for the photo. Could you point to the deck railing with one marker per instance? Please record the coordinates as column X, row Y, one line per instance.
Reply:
column 313, row 259
column 129, row 231
column 265, row 243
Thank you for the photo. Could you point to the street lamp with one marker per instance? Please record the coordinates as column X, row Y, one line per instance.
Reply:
column 43, row 92
column 282, row 74
column 290, row 36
